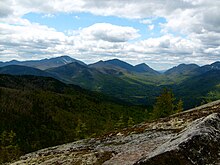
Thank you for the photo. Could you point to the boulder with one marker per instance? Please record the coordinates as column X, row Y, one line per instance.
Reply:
column 198, row 144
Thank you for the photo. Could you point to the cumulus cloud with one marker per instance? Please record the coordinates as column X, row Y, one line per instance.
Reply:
column 196, row 26
column 5, row 8
column 28, row 39
column 109, row 32
column 151, row 27
column 31, row 39
column 146, row 21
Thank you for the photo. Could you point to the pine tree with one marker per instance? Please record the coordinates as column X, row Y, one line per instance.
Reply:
column 130, row 122
column 164, row 105
column 179, row 106
column 81, row 129
column 120, row 123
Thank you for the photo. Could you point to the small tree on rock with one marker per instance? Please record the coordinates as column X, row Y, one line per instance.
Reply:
column 120, row 124
column 130, row 122
column 179, row 106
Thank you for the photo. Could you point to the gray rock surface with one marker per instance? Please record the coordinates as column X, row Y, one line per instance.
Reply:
column 187, row 138
column 198, row 144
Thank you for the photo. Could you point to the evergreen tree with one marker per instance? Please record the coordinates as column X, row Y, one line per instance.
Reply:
column 8, row 148
column 81, row 129
column 164, row 105
column 130, row 122
column 179, row 106
column 120, row 123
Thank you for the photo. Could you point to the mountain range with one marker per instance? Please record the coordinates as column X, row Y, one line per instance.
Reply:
column 44, row 63
column 137, row 84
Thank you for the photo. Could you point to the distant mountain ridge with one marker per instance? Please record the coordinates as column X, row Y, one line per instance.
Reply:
column 182, row 69
column 127, row 82
column 23, row 70
column 119, row 65
column 192, row 69
column 206, row 68
column 44, row 63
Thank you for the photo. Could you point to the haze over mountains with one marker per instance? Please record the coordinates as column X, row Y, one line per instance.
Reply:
column 138, row 84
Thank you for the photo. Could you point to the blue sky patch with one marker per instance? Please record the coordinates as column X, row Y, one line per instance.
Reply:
column 71, row 21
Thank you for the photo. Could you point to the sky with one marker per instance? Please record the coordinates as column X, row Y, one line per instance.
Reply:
column 160, row 33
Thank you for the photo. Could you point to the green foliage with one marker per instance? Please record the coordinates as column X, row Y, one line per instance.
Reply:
column 9, row 150
column 120, row 123
column 212, row 95
column 44, row 112
column 81, row 129
column 179, row 106
column 195, row 89
column 164, row 105
column 130, row 122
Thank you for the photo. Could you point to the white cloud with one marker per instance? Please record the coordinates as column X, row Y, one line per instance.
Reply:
column 48, row 16
column 146, row 21
column 109, row 32
column 5, row 8
column 151, row 27
column 27, row 40
column 197, row 23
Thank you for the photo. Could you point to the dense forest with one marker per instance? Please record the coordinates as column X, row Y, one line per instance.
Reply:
column 38, row 112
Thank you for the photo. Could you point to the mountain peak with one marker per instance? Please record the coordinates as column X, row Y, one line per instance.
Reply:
column 142, row 64
column 120, row 64
column 216, row 65
column 182, row 69
column 65, row 58
column 144, row 68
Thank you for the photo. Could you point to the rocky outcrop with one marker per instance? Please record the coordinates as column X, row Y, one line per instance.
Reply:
column 198, row 144
column 188, row 138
